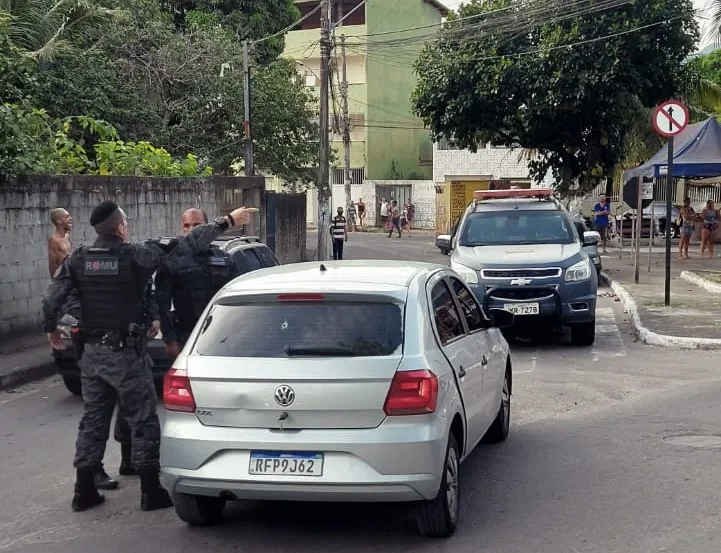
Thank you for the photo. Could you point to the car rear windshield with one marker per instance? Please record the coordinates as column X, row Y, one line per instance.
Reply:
column 302, row 329
column 503, row 228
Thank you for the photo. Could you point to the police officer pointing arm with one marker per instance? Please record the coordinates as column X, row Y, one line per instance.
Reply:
column 111, row 278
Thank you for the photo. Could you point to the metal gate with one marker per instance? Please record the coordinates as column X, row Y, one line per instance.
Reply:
column 400, row 193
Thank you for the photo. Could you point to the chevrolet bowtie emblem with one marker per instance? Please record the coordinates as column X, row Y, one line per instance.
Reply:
column 521, row 281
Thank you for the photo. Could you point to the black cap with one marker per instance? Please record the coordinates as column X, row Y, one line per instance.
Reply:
column 102, row 212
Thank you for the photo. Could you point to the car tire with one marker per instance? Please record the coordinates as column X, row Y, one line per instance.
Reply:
column 438, row 517
column 583, row 334
column 198, row 510
column 499, row 430
column 72, row 383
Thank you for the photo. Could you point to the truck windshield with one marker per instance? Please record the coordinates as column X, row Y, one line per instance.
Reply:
column 504, row 228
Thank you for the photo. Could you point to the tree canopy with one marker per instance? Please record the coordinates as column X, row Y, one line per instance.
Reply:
column 568, row 88
column 167, row 75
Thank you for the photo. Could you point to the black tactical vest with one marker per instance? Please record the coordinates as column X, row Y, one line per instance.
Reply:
column 196, row 279
column 111, row 296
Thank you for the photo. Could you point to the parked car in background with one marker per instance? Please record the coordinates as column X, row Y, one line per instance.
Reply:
column 655, row 212
column 356, row 381
column 249, row 254
column 589, row 243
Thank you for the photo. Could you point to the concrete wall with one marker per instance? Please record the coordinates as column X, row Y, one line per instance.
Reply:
column 422, row 193
column 494, row 163
column 153, row 206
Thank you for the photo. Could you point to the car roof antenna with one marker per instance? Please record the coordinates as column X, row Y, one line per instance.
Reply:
column 322, row 268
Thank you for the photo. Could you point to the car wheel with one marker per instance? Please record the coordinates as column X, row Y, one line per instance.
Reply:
column 498, row 432
column 198, row 510
column 583, row 334
column 438, row 517
column 72, row 383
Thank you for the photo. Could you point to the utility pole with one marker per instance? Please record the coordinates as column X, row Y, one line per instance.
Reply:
column 346, row 125
column 324, row 143
column 248, row 137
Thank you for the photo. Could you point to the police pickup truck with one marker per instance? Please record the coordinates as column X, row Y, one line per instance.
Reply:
column 521, row 251
column 248, row 253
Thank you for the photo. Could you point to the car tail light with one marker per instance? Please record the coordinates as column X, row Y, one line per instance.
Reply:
column 412, row 393
column 301, row 297
column 177, row 394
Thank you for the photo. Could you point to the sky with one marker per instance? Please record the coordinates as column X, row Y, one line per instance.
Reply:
column 701, row 7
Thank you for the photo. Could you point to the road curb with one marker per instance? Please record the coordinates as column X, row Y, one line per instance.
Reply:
column 20, row 376
column 648, row 336
column 698, row 280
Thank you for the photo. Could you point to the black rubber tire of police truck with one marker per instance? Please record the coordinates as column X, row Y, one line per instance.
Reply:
column 583, row 334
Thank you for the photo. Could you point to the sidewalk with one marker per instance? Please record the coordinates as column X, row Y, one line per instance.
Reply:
column 24, row 359
column 693, row 320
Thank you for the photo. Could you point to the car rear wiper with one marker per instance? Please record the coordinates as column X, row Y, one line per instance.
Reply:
column 291, row 351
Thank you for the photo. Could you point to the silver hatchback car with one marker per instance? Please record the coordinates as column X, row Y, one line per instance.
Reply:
column 352, row 381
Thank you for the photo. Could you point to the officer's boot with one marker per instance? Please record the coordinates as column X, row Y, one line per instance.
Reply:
column 86, row 494
column 103, row 480
column 126, row 463
column 152, row 495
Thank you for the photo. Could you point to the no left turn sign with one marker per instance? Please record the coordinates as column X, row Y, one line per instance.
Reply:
column 670, row 118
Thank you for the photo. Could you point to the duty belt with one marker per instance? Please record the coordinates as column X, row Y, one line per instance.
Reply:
column 115, row 341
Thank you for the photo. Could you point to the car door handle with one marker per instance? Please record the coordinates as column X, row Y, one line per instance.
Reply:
column 461, row 372
column 484, row 361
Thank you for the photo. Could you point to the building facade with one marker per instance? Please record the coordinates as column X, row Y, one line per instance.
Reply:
column 383, row 39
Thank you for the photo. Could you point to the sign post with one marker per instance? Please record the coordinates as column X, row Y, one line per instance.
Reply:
column 669, row 119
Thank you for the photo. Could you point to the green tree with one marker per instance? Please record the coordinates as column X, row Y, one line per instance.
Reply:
column 251, row 19
column 193, row 83
column 569, row 88
column 45, row 29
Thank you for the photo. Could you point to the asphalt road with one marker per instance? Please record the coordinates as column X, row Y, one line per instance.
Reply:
column 594, row 463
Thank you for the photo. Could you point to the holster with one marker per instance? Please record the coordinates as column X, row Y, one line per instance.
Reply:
column 78, row 342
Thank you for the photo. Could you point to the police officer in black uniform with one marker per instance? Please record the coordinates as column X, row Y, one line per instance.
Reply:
column 189, row 282
column 110, row 278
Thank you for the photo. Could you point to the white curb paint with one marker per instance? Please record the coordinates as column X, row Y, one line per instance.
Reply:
column 698, row 280
column 652, row 338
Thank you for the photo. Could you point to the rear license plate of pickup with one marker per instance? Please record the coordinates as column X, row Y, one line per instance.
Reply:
column 282, row 463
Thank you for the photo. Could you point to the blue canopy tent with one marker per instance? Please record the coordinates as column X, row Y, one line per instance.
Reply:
column 697, row 154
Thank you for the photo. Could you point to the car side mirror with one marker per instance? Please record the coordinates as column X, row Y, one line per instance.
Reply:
column 500, row 318
column 443, row 241
column 591, row 238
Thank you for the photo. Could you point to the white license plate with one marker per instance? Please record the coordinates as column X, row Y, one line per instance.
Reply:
column 280, row 463
column 522, row 308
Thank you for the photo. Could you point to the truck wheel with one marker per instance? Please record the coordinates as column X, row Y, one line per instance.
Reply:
column 198, row 510
column 583, row 334
column 498, row 432
column 438, row 517
column 72, row 383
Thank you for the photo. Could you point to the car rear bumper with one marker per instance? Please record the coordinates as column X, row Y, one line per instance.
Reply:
column 399, row 461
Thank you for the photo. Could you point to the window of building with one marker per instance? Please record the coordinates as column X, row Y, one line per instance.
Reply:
column 340, row 9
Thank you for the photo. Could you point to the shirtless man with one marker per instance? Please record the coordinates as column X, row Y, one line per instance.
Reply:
column 59, row 243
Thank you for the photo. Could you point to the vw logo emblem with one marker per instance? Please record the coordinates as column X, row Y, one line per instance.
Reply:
column 284, row 395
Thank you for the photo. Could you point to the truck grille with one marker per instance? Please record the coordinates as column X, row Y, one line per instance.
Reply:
column 550, row 272
column 520, row 294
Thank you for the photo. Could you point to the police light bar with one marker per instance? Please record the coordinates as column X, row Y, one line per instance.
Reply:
column 540, row 193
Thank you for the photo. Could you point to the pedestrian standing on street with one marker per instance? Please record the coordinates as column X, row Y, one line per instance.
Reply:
column 352, row 221
column 339, row 233
column 59, row 246
column 601, row 213
column 188, row 283
column 711, row 218
column 689, row 217
column 111, row 277
column 385, row 208
column 411, row 212
column 361, row 211
column 395, row 219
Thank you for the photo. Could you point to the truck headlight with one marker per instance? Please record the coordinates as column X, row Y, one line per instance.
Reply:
column 579, row 271
column 466, row 273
